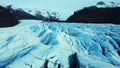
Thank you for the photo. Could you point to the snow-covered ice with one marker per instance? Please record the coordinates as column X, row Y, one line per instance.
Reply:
column 38, row 44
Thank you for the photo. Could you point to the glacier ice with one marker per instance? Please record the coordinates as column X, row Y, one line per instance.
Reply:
column 37, row 44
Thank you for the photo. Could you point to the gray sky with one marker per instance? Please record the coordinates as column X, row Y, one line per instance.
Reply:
column 47, row 4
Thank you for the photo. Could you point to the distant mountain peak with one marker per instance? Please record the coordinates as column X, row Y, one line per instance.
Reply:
column 107, row 4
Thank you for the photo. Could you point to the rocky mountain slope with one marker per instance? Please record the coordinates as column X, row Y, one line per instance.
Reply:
column 7, row 18
column 102, row 12
column 96, row 15
column 60, row 45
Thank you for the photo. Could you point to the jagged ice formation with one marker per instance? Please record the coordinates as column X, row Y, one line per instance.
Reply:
column 37, row 44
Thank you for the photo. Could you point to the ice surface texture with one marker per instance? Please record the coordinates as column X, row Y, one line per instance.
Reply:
column 37, row 44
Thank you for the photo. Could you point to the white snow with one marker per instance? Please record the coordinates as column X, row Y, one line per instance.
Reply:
column 35, row 44
column 44, row 13
column 109, row 4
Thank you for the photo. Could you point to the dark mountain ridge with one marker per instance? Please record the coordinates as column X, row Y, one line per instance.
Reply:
column 7, row 18
column 94, row 14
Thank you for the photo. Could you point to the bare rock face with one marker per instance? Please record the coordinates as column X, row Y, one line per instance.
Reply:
column 96, row 15
column 7, row 19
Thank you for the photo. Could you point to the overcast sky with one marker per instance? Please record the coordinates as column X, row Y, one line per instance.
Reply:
column 46, row 4
column 66, row 6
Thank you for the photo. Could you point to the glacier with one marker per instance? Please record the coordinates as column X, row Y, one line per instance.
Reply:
column 39, row 44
